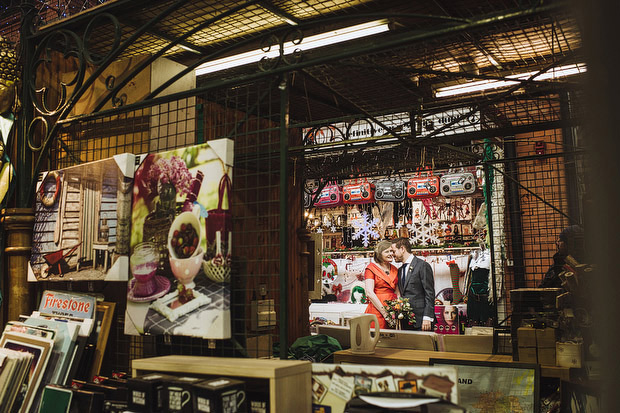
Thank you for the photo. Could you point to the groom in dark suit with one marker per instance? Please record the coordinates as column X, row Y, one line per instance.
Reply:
column 415, row 282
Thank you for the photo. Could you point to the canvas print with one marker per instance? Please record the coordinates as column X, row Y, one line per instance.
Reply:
column 82, row 222
column 181, row 243
column 333, row 385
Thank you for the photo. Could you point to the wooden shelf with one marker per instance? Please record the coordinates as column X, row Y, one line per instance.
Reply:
column 393, row 356
column 289, row 380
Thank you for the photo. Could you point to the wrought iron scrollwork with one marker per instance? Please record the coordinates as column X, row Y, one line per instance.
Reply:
column 54, row 102
column 356, row 133
column 324, row 134
column 294, row 37
column 117, row 101
column 487, row 150
column 69, row 45
column 100, row 19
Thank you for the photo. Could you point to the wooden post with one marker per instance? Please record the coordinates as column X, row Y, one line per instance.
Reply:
column 18, row 224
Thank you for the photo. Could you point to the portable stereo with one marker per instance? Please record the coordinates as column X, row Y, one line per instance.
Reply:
column 359, row 193
column 458, row 184
column 390, row 190
column 331, row 196
column 420, row 187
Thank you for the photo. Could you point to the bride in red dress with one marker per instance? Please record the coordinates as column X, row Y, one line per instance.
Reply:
column 381, row 282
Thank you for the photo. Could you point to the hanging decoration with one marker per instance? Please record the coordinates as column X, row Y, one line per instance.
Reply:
column 425, row 234
column 363, row 227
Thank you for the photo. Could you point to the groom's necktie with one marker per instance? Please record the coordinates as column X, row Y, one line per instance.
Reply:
column 401, row 277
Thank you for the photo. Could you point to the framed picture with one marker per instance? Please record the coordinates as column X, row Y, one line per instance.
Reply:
column 40, row 348
column 485, row 386
column 103, row 322
column 82, row 222
column 181, row 241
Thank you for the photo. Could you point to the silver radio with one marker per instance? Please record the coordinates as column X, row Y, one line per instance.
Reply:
column 462, row 183
column 390, row 190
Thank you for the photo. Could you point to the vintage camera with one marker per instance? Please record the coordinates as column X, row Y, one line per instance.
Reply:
column 388, row 190
column 331, row 196
column 458, row 184
column 423, row 187
column 362, row 193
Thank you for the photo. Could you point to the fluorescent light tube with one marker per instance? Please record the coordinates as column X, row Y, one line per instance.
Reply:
column 308, row 43
column 481, row 85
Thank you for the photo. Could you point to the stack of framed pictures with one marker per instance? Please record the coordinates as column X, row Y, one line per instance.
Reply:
column 37, row 345
column 14, row 367
column 53, row 340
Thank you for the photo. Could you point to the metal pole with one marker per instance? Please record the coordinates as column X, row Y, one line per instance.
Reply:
column 570, row 166
column 487, row 200
column 284, row 119
column 23, row 155
column 513, row 203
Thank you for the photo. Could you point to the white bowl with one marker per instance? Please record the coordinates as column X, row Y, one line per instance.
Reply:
column 183, row 218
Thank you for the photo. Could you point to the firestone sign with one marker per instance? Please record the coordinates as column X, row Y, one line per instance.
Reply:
column 67, row 305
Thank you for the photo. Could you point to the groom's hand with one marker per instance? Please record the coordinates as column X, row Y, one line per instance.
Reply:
column 426, row 325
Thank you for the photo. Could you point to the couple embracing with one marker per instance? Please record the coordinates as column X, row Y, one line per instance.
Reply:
column 413, row 280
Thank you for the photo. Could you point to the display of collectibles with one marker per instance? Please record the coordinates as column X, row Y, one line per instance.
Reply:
column 333, row 385
column 53, row 341
column 82, row 222
column 181, row 243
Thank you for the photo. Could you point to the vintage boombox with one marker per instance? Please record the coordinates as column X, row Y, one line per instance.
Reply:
column 331, row 196
column 458, row 184
column 390, row 190
column 420, row 187
column 359, row 193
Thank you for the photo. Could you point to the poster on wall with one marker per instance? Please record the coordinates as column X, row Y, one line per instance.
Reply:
column 333, row 385
column 495, row 386
column 82, row 222
column 181, row 243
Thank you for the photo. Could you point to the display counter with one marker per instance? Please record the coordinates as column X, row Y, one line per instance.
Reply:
column 337, row 313
column 403, row 357
column 289, row 380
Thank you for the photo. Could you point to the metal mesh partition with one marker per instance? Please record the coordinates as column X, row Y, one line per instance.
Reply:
column 536, row 180
column 236, row 114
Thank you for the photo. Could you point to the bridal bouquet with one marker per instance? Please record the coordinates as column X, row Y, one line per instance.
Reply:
column 399, row 310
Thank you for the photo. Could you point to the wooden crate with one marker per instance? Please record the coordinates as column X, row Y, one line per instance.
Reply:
column 289, row 380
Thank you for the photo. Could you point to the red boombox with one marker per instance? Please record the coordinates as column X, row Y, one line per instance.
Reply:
column 420, row 187
column 331, row 196
column 359, row 193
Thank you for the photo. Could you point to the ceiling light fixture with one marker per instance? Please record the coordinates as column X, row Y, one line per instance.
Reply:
column 481, row 85
column 308, row 43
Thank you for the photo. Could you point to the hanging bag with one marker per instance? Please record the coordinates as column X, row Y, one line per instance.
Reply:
column 359, row 193
column 423, row 185
column 331, row 196
column 219, row 220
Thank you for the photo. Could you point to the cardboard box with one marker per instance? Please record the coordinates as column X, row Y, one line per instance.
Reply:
column 219, row 395
column 569, row 354
column 526, row 337
column 545, row 337
column 179, row 395
column 546, row 356
column 528, row 355
column 533, row 300
column 145, row 393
